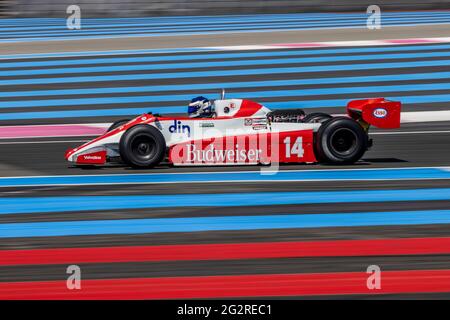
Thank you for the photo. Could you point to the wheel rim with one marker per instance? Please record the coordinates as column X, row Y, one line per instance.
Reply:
column 143, row 147
column 343, row 141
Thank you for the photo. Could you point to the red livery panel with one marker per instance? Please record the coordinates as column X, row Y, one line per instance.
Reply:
column 292, row 146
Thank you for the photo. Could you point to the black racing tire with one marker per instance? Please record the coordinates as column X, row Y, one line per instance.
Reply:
column 117, row 124
column 340, row 140
column 142, row 146
column 316, row 117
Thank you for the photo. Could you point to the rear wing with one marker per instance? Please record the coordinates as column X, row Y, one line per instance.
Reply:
column 378, row 112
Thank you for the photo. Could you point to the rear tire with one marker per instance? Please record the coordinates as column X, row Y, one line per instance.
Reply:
column 117, row 124
column 340, row 140
column 316, row 117
column 142, row 146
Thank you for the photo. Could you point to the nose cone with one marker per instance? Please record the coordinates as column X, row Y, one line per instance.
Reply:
column 68, row 153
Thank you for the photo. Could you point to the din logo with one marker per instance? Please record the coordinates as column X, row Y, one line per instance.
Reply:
column 179, row 127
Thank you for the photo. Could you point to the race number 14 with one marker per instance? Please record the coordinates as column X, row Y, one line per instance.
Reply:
column 294, row 149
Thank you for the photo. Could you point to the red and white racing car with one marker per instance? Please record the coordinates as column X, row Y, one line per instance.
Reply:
column 242, row 132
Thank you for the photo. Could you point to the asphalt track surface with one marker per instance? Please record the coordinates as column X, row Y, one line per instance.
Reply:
column 34, row 30
column 241, row 38
column 297, row 235
column 15, row 30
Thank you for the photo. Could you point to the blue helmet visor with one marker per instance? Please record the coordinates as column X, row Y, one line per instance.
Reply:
column 192, row 109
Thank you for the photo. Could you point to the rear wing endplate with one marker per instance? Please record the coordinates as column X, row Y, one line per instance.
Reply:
column 378, row 112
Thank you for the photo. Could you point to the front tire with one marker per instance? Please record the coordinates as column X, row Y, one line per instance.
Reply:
column 117, row 124
column 340, row 140
column 142, row 146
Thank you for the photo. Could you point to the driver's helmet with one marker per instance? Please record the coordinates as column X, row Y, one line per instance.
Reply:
column 200, row 107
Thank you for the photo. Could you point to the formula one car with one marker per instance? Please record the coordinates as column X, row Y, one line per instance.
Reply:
column 242, row 132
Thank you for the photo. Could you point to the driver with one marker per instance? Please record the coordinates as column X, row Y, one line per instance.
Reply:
column 200, row 107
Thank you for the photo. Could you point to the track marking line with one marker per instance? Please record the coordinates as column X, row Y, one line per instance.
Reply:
column 60, row 204
column 307, row 175
column 41, row 142
column 228, row 251
column 93, row 129
column 223, row 286
column 223, row 223
column 86, row 135
column 382, row 42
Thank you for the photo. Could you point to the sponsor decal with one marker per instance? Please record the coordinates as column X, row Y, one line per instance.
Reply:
column 211, row 154
column 88, row 157
column 255, row 121
column 94, row 157
column 259, row 127
column 260, row 121
column 179, row 127
column 206, row 125
column 380, row 113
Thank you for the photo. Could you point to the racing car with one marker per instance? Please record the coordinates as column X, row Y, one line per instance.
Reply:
column 241, row 132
